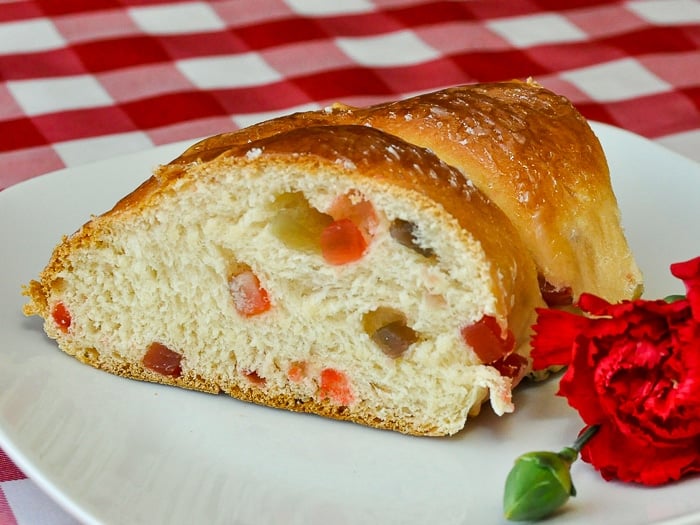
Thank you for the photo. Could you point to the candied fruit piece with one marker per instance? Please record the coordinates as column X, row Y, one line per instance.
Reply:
column 395, row 338
column 554, row 296
column 511, row 365
column 249, row 298
column 388, row 328
column 341, row 235
column 297, row 371
column 356, row 208
column 254, row 377
column 487, row 339
column 297, row 224
column 162, row 360
column 61, row 316
column 335, row 386
column 404, row 232
column 382, row 316
column 342, row 242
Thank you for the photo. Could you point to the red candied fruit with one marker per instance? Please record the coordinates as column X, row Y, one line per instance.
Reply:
column 342, row 242
column 335, row 386
column 61, row 316
column 510, row 366
column 485, row 337
column 249, row 298
column 161, row 359
column 554, row 296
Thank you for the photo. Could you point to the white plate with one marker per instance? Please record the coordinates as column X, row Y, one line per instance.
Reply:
column 119, row 451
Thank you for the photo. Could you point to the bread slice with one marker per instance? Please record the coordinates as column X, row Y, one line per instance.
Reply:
column 531, row 152
column 337, row 270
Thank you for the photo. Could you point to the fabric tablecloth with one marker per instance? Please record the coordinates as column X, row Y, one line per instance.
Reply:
column 84, row 80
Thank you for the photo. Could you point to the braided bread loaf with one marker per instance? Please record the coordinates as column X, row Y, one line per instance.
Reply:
column 320, row 263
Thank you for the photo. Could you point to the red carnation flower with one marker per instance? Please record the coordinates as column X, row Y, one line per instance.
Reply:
column 633, row 371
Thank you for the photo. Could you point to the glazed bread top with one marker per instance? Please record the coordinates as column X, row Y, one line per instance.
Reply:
column 529, row 150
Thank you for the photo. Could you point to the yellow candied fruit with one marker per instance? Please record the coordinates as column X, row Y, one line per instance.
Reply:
column 297, row 224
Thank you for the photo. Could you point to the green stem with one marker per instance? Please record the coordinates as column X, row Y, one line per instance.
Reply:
column 673, row 298
column 584, row 437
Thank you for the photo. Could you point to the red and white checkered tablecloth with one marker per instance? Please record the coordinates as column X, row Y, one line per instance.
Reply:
column 83, row 80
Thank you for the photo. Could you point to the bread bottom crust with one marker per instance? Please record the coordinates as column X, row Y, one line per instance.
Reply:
column 258, row 395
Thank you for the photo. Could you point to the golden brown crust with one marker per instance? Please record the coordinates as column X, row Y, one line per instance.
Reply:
column 36, row 292
column 527, row 149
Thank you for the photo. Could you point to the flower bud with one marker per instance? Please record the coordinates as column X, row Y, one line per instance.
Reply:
column 538, row 484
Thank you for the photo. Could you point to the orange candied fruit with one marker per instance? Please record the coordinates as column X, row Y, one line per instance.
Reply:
column 335, row 386
column 161, row 359
column 61, row 316
column 254, row 377
column 297, row 371
column 356, row 208
column 249, row 298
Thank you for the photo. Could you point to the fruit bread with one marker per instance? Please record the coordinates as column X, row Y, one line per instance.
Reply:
column 532, row 153
column 337, row 270
column 380, row 265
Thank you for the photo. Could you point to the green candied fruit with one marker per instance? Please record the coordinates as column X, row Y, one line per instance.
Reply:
column 297, row 224
column 389, row 330
column 404, row 232
column 395, row 338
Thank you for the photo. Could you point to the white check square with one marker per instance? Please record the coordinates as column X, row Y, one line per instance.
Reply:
column 176, row 19
column 82, row 151
column 230, row 71
column 28, row 36
column 47, row 95
column 533, row 30
column 329, row 8
column 667, row 12
column 401, row 48
column 617, row 80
